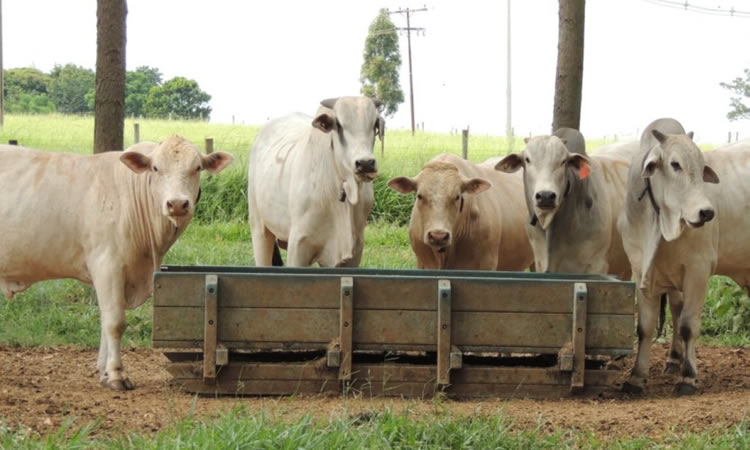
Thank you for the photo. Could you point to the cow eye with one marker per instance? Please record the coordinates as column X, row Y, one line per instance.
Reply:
column 156, row 169
column 458, row 197
column 198, row 169
column 676, row 166
column 419, row 196
column 528, row 161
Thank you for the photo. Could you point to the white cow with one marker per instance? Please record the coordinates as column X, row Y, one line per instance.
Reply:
column 105, row 219
column 573, row 201
column 309, row 184
column 680, row 225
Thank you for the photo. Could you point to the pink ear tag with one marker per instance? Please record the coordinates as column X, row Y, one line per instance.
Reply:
column 584, row 171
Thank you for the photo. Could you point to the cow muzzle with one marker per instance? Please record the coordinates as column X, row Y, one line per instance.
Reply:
column 178, row 207
column 439, row 238
column 545, row 200
column 704, row 215
column 366, row 168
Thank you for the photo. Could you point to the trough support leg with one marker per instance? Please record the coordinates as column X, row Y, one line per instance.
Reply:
column 444, row 333
column 209, row 327
column 346, row 324
column 580, row 299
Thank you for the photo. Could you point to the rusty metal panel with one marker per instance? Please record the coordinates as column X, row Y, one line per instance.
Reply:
column 443, row 332
column 394, row 327
column 210, row 326
column 388, row 380
column 493, row 295
column 578, row 337
column 345, row 327
column 538, row 330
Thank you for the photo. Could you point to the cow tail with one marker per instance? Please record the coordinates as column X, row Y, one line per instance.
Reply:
column 662, row 316
column 276, row 258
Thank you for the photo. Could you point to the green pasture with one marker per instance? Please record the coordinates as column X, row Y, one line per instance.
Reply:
column 64, row 312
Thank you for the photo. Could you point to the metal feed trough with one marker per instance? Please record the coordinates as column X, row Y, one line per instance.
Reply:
column 271, row 331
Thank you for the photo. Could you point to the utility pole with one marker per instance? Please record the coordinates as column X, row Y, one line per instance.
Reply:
column 508, row 126
column 408, row 30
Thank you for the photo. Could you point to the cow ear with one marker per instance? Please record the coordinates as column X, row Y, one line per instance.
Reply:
column 216, row 162
column 510, row 163
column 324, row 122
column 709, row 176
column 652, row 160
column 690, row 134
column 403, row 185
column 526, row 140
column 379, row 105
column 581, row 163
column 137, row 162
column 475, row 186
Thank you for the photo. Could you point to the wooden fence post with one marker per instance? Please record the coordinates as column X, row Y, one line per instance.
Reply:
column 209, row 146
column 465, row 143
column 136, row 133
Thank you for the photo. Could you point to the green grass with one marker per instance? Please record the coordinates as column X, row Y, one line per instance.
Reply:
column 240, row 428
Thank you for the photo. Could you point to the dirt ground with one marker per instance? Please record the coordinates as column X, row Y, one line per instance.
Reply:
column 41, row 388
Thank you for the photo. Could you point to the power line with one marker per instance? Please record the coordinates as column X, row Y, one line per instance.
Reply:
column 408, row 30
column 692, row 7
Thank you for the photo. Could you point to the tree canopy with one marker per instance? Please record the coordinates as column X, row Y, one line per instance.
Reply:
column 382, row 61
column 178, row 98
column 70, row 89
column 740, row 87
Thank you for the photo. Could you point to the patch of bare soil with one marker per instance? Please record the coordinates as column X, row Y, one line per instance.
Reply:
column 41, row 388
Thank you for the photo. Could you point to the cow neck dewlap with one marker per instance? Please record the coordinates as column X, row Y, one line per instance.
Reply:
column 327, row 173
column 152, row 233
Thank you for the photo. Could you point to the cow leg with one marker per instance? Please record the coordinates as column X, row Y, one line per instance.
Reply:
column 110, row 294
column 676, row 351
column 101, row 360
column 695, row 288
column 263, row 242
column 301, row 252
column 648, row 312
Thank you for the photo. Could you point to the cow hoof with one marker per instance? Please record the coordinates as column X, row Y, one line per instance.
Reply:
column 684, row 389
column 671, row 368
column 118, row 385
column 630, row 388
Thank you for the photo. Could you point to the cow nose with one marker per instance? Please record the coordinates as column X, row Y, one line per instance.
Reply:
column 545, row 199
column 178, row 207
column 438, row 237
column 365, row 165
column 706, row 215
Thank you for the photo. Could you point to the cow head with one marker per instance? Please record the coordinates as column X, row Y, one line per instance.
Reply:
column 174, row 168
column 677, row 176
column 549, row 169
column 440, row 200
column 352, row 124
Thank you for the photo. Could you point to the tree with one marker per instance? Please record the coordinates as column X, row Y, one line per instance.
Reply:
column 382, row 61
column 69, row 88
column 569, row 77
column 178, row 98
column 109, row 102
column 138, row 84
column 741, row 88
column 26, row 90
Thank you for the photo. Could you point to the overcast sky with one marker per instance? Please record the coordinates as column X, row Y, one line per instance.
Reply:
column 262, row 59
